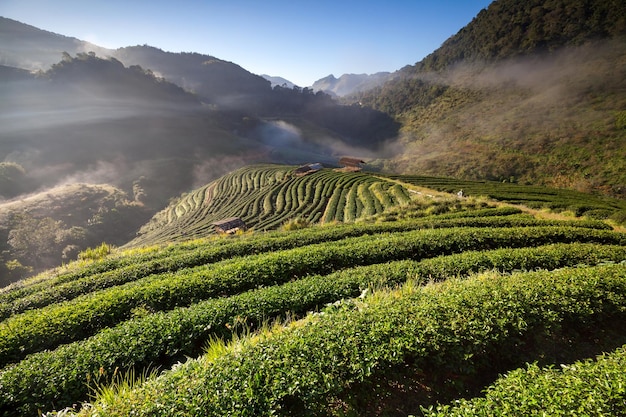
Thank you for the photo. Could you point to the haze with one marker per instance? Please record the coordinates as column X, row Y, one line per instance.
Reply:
column 300, row 41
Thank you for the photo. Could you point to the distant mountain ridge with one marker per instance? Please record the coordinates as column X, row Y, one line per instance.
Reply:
column 25, row 46
column 278, row 81
column 348, row 84
column 214, row 80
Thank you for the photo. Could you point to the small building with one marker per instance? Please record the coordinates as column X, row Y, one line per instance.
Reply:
column 230, row 225
column 308, row 169
column 351, row 164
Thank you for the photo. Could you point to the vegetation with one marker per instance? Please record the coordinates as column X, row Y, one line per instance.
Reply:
column 12, row 179
column 272, row 195
column 531, row 391
column 52, row 325
column 557, row 200
column 183, row 331
column 528, row 92
column 119, row 124
column 353, row 293
column 507, row 29
column 110, row 324
column 452, row 327
column 46, row 229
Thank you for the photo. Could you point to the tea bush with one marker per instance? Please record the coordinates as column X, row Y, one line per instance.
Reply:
column 305, row 367
column 162, row 338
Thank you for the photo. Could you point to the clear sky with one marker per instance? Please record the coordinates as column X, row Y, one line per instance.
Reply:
column 300, row 40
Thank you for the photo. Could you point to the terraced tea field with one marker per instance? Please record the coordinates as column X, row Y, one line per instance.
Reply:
column 265, row 197
column 558, row 200
column 428, row 302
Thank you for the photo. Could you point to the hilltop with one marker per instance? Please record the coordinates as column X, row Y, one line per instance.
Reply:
column 270, row 197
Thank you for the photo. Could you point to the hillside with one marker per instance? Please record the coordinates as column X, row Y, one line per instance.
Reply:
column 45, row 229
column 25, row 46
column 530, row 92
column 372, row 317
column 268, row 197
column 94, row 120
column 88, row 119
column 476, row 267
column 214, row 80
column 508, row 29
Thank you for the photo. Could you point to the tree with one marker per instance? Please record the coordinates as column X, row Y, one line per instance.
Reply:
column 40, row 242
column 12, row 179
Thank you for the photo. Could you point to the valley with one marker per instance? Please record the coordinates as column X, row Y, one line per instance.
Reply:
column 182, row 237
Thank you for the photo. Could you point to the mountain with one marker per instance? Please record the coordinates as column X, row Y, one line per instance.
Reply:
column 92, row 118
column 215, row 81
column 508, row 29
column 350, row 83
column 30, row 48
column 154, row 124
column 529, row 92
column 278, row 81
column 400, row 313
column 94, row 121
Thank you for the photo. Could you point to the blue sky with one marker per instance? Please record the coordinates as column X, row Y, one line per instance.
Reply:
column 302, row 41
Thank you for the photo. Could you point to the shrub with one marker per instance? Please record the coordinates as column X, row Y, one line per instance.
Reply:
column 296, row 224
column 619, row 217
column 97, row 253
column 585, row 388
column 162, row 338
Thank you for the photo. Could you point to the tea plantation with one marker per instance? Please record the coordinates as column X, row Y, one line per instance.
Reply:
column 387, row 302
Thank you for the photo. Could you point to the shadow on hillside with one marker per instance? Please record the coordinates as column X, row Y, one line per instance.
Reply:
column 403, row 390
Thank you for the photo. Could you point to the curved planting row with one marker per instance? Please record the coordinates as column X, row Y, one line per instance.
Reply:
column 321, row 363
column 594, row 388
column 163, row 338
column 227, row 194
column 49, row 326
column 66, row 288
column 533, row 196
column 265, row 197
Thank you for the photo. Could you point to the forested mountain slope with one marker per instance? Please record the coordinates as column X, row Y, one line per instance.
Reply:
column 527, row 92
column 46, row 229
